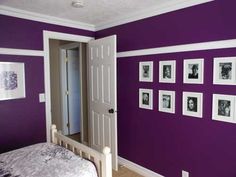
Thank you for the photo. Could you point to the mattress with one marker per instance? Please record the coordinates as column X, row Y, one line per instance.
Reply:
column 44, row 160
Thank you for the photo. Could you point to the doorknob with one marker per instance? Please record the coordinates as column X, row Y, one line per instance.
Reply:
column 111, row 111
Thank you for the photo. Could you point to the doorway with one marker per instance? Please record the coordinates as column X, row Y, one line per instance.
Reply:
column 68, row 88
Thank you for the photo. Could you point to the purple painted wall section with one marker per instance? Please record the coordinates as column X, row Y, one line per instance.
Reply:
column 27, row 34
column 168, row 143
column 205, row 22
column 173, row 142
column 22, row 121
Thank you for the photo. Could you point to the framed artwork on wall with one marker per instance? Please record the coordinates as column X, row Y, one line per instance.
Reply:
column 224, row 71
column 193, row 71
column 146, row 71
column 146, row 98
column 166, row 101
column 192, row 104
column 12, row 80
column 223, row 108
column 167, row 71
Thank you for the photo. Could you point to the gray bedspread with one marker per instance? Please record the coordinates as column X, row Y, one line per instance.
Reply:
column 44, row 160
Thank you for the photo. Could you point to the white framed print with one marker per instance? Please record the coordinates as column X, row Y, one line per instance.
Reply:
column 193, row 71
column 167, row 70
column 224, row 71
column 223, row 108
column 166, row 101
column 192, row 104
column 146, row 71
column 146, row 98
column 12, row 80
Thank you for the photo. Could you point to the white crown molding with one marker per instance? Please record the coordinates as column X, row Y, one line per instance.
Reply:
column 137, row 168
column 150, row 12
column 223, row 44
column 22, row 52
column 5, row 10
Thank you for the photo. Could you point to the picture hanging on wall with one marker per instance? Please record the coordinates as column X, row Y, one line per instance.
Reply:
column 167, row 71
column 192, row 104
column 146, row 98
column 12, row 80
column 193, row 71
column 146, row 71
column 224, row 71
column 166, row 101
column 223, row 108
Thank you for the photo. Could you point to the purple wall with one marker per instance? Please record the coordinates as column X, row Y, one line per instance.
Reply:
column 27, row 34
column 205, row 22
column 169, row 143
column 22, row 121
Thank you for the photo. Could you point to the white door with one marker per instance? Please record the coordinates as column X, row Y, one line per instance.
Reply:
column 102, row 98
column 70, row 86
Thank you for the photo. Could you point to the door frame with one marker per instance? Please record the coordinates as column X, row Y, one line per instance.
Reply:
column 47, row 35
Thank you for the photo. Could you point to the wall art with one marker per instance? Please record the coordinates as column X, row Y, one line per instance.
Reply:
column 166, row 101
column 146, row 98
column 146, row 71
column 193, row 71
column 12, row 80
column 167, row 71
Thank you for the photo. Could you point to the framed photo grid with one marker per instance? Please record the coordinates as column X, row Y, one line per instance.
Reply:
column 192, row 104
column 12, row 80
column 224, row 71
column 223, row 108
column 146, row 71
column 167, row 70
column 193, row 71
column 146, row 98
column 166, row 101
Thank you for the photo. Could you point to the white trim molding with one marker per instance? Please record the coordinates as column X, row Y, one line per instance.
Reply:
column 137, row 168
column 5, row 10
column 224, row 44
column 150, row 12
column 22, row 52
column 59, row 36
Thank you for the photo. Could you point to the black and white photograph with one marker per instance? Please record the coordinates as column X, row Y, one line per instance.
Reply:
column 167, row 101
column 223, row 107
column 192, row 104
column 193, row 71
column 146, row 98
column 146, row 71
column 167, row 71
column 12, row 80
column 224, row 71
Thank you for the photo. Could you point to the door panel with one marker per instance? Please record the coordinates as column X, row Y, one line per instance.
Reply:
column 102, row 85
column 74, row 99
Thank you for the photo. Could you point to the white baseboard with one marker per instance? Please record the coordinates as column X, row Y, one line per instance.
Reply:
column 137, row 168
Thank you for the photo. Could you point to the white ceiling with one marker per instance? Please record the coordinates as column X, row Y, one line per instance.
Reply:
column 95, row 12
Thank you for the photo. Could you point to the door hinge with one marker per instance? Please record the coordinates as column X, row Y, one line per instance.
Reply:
column 67, row 92
column 66, row 59
column 68, row 125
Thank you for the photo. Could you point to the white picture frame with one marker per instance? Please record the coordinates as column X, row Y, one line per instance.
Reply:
column 193, row 71
column 167, row 71
column 166, row 101
column 192, row 104
column 146, row 71
column 223, row 108
column 224, row 72
column 12, row 80
column 146, row 98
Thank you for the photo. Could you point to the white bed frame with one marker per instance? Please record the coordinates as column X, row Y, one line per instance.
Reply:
column 102, row 161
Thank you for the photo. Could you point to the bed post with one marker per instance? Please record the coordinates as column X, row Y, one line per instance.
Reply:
column 53, row 131
column 107, row 165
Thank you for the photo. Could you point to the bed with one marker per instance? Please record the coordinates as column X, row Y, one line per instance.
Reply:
column 63, row 157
